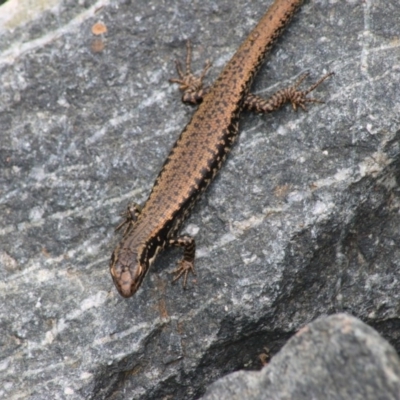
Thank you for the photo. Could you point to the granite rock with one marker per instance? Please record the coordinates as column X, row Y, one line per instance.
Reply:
column 302, row 221
column 332, row 358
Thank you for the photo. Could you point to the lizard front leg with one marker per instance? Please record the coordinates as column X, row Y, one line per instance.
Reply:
column 185, row 265
column 131, row 215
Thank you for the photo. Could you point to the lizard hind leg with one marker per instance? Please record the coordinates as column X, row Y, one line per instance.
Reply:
column 298, row 98
column 291, row 94
column 189, row 84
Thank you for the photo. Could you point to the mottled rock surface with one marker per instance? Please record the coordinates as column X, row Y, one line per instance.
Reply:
column 302, row 221
column 333, row 358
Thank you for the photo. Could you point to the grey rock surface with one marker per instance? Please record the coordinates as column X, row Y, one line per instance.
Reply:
column 332, row 358
column 302, row 221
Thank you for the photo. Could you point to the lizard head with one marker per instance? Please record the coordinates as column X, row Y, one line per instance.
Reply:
column 127, row 271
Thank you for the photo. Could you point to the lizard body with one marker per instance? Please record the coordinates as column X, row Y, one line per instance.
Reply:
column 200, row 151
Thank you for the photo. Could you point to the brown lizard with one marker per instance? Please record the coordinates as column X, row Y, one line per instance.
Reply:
column 200, row 151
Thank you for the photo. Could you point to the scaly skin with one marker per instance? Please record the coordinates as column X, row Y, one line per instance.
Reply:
column 199, row 153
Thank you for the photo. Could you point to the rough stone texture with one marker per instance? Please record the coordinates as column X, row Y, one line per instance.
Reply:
column 302, row 221
column 333, row 358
